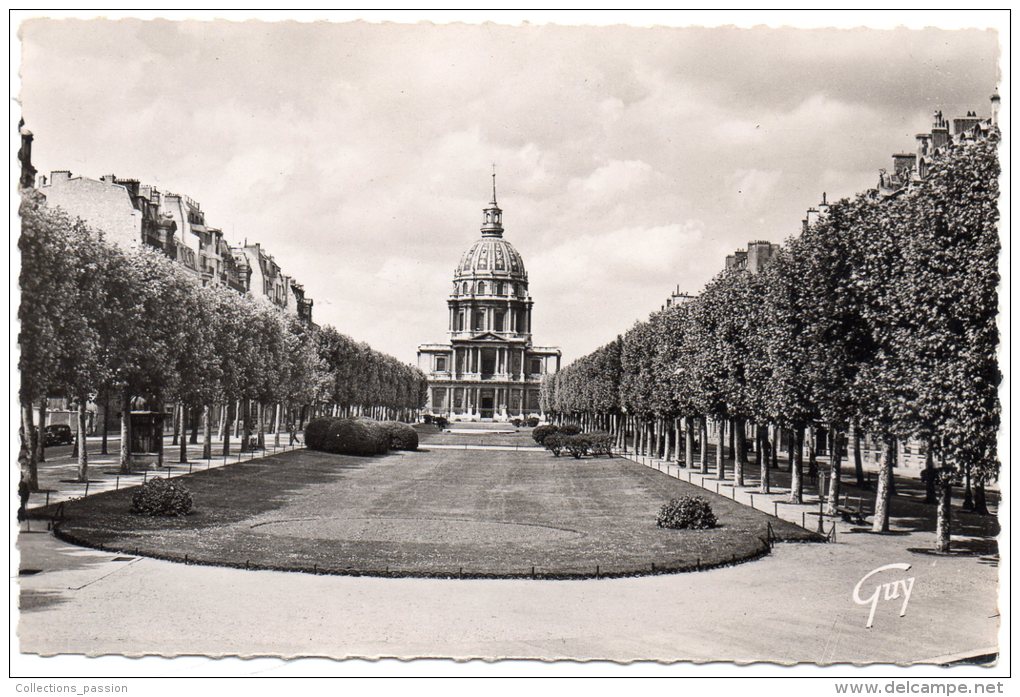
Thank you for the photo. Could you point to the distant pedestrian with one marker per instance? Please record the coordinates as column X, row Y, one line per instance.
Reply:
column 23, row 493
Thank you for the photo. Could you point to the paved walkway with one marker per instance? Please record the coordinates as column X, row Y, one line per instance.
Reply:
column 58, row 473
column 795, row 605
column 909, row 498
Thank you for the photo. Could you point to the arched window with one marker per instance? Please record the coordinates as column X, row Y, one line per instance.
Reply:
column 465, row 291
column 481, row 287
column 501, row 289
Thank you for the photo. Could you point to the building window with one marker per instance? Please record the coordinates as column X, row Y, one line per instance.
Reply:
column 500, row 320
column 502, row 289
column 536, row 366
column 441, row 364
column 439, row 398
column 479, row 320
column 481, row 287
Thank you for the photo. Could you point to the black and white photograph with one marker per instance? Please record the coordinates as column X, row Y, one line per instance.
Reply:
column 503, row 343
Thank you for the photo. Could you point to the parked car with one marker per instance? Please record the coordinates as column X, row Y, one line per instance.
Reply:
column 58, row 434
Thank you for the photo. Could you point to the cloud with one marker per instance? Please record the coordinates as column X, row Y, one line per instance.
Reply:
column 629, row 160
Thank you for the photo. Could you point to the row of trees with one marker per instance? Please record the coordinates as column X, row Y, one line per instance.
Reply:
column 105, row 325
column 880, row 318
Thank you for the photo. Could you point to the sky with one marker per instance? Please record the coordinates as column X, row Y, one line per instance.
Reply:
column 629, row 160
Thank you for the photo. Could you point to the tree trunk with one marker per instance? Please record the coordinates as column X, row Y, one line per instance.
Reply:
column 763, row 461
column 858, row 460
column 40, row 441
column 245, row 423
column 703, row 445
column 720, row 463
column 836, row 461
column 207, row 432
column 26, row 456
column 176, row 424
column 688, row 443
column 125, row 432
column 812, row 445
column 260, row 415
column 193, row 424
column 774, row 450
column 228, row 406
column 104, row 448
column 740, row 427
column 728, row 425
column 797, row 464
column 930, row 484
column 980, row 499
column 968, row 496
column 882, row 494
column 160, row 422
column 943, row 515
column 184, row 427
column 83, row 449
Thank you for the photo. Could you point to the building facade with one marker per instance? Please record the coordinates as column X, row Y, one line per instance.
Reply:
column 909, row 168
column 131, row 213
column 489, row 370
column 266, row 281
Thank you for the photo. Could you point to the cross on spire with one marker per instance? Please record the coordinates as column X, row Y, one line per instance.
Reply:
column 493, row 225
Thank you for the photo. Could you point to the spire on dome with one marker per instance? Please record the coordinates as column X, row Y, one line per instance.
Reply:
column 492, row 225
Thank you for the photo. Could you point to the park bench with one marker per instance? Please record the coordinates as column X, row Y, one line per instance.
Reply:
column 853, row 515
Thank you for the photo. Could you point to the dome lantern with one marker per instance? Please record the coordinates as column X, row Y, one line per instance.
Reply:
column 492, row 223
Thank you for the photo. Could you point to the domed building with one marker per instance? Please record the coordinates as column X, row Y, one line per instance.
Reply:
column 489, row 369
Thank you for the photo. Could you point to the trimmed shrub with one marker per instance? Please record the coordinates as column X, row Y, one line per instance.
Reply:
column 600, row 443
column 441, row 422
column 555, row 442
column 402, row 436
column 315, row 431
column 687, row 513
column 577, row 445
column 516, row 422
column 570, row 429
column 427, row 418
column 353, row 437
column 162, row 497
column 542, row 432
column 533, row 421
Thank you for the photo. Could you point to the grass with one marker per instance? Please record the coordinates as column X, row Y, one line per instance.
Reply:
column 521, row 438
column 439, row 513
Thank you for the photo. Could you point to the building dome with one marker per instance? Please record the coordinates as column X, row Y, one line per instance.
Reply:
column 491, row 257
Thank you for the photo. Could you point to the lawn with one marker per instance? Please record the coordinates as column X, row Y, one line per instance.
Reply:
column 521, row 438
column 438, row 513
